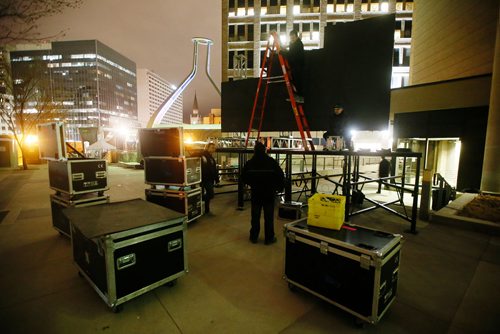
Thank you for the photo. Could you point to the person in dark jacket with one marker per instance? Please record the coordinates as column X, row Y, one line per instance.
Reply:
column 338, row 129
column 265, row 178
column 384, row 169
column 295, row 57
column 209, row 174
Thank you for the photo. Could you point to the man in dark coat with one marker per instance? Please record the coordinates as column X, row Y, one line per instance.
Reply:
column 338, row 128
column 384, row 169
column 265, row 177
column 209, row 174
column 295, row 57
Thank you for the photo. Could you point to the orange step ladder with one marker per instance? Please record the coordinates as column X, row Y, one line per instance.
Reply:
column 273, row 49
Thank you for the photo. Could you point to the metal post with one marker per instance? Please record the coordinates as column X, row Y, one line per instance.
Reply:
column 313, row 173
column 415, row 200
column 346, row 189
column 241, row 185
column 288, row 178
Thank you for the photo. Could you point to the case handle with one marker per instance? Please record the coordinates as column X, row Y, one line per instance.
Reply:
column 125, row 261
column 174, row 245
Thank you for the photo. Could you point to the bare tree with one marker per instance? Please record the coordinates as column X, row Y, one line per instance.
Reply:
column 19, row 18
column 28, row 102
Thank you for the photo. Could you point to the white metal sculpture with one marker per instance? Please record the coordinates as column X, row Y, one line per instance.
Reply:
column 156, row 118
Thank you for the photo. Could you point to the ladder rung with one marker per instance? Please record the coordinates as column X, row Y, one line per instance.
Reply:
column 275, row 77
column 275, row 81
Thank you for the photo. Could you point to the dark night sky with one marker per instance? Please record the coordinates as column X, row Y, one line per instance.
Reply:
column 156, row 34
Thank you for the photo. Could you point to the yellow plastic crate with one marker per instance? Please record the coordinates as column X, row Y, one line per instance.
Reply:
column 326, row 211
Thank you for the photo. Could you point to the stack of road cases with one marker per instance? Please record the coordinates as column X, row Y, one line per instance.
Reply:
column 174, row 179
column 354, row 268
column 125, row 249
column 77, row 182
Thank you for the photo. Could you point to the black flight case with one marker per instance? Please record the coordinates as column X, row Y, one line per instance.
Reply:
column 61, row 201
column 354, row 268
column 126, row 249
column 185, row 200
column 175, row 171
column 78, row 176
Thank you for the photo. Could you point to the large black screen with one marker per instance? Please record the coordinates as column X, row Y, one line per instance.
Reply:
column 353, row 70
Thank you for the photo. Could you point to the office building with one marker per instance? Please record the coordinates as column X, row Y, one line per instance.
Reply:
column 90, row 84
column 152, row 91
column 246, row 25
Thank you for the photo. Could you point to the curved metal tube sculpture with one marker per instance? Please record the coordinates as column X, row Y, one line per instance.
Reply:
column 156, row 118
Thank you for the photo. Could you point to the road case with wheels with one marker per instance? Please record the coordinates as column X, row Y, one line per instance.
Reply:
column 125, row 249
column 59, row 202
column 354, row 268
column 185, row 200
column 173, row 171
column 78, row 176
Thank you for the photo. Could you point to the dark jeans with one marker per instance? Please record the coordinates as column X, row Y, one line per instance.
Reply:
column 259, row 203
column 208, row 194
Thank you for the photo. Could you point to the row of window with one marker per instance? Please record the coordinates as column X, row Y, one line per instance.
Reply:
column 401, row 57
column 279, row 7
column 308, row 30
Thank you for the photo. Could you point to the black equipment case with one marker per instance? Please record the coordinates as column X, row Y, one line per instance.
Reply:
column 78, row 176
column 161, row 142
column 177, row 171
column 125, row 249
column 355, row 268
column 290, row 210
column 59, row 202
column 185, row 200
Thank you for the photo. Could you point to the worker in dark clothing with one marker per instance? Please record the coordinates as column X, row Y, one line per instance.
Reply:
column 265, row 178
column 209, row 174
column 384, row 169
column 338, row 129
column 295, row 57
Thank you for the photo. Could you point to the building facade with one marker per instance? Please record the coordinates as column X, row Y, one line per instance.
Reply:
column 90, row 84
column 152, row 91
column 246, row 25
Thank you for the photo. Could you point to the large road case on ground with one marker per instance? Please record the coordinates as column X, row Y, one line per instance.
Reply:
column 176, row 171
column 59, row 202
column 184, row 200
column 125, row 249
column 354, row 268
column 78, row 176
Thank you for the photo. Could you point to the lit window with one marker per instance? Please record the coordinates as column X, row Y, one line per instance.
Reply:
column 329, row 9
column 241, row 12
column 384, row 6
column 263, row 11
column 296, row 10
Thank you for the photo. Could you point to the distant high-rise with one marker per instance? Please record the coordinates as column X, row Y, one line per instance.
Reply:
column 5, row 97
column 152, row 91
column 91, row 84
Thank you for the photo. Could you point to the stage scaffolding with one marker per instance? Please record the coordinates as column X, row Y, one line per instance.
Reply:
column 349, row 182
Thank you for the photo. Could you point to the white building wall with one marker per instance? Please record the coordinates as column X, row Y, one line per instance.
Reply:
column 152, row 91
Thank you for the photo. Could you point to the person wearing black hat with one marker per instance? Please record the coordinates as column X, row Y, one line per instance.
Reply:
column 265, row 178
